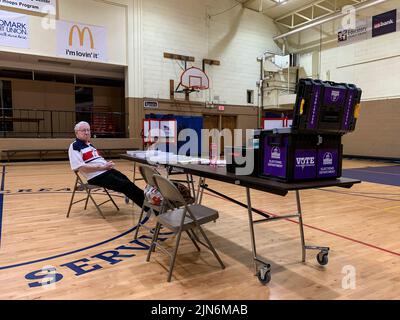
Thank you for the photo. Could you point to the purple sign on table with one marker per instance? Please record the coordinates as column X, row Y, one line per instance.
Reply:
column 275, row 159
column 327, row 163
column 305, row 164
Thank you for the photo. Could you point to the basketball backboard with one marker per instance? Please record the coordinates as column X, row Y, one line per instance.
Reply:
column 195, row 79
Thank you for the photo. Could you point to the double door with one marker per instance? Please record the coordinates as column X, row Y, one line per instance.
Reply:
column 220, row 122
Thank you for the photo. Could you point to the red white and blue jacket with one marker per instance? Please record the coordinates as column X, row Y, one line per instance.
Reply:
column 81, row 153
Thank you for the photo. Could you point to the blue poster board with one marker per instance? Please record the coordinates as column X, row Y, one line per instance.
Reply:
column 183, row 122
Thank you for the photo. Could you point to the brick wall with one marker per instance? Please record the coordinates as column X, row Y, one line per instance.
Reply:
column 235, row 38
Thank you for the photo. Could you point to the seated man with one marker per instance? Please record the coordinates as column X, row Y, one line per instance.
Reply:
column 84, row 157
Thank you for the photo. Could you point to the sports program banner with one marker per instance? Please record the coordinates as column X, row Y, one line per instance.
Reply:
column 81, row 41
column 30, row 5
column 14, row 30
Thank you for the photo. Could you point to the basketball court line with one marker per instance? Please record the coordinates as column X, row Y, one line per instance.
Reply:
column 132, row 229
column 72, row 252
column 3, row 176
column 358, row 195
column 322, row 230
column 380, row 175
column 374, row 171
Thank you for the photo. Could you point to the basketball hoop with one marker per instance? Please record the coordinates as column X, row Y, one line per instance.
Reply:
column 193, row 79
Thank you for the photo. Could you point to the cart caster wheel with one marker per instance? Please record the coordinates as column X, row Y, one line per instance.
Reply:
column 322, row 258
column 264, row 275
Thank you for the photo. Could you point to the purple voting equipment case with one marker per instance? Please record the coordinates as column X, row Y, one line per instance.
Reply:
column 312, row 148
column 298, row 157
column 326, row 107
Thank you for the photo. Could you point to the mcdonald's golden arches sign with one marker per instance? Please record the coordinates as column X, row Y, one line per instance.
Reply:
column 81, row 42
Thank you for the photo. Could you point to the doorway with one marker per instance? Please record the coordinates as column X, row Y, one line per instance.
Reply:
column 6, row 111
column 83, row 103
column 220, row 122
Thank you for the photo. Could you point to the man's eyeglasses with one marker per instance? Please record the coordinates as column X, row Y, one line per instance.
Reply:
column 84, row 130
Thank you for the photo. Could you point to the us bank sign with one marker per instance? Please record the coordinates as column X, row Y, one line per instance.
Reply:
column 81, row 42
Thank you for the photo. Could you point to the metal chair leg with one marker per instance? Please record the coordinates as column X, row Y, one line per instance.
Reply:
column 211, row 247
column 72, row 199
column 193, row 187
column 173, row 258
column 193, row 240
column 155, row 236
column 97, row 207
column 87, row 198
column 139, row 223
column 112, row 200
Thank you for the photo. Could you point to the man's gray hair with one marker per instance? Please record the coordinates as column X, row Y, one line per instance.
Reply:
column 77, row 126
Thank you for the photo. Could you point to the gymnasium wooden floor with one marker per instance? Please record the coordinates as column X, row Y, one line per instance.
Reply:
column 360, row 225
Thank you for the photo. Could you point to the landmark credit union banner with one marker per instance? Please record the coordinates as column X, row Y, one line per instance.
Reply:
column 81, row 41
column 30, row 5
column 14, row 30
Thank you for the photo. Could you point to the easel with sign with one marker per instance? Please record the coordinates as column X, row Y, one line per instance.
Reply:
column 159, row 131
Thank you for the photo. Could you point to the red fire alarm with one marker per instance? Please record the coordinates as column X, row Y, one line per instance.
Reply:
column 221, row 108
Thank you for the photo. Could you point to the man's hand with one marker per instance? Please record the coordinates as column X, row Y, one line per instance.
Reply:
column 97, row 167
column 109, row 165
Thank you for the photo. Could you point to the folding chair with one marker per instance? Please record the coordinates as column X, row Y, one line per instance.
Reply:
column 185, row 218
column 80, row 185
column 147, row 173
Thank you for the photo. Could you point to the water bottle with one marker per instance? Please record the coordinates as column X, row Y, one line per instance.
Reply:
column 213, row 154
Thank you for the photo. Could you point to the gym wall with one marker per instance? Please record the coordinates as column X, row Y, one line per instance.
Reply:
column 195, row 28
column 235, row 38
column 110, row 14
column 378, row 130
column 140, row 31
column 373, row 65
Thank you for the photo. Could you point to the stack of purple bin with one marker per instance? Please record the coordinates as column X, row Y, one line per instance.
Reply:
column 311, row 149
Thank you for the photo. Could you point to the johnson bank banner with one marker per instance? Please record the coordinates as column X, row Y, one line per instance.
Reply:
column 31, row 5
column 81, row 41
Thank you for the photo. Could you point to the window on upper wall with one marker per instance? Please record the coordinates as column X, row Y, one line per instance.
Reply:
column 250, row 96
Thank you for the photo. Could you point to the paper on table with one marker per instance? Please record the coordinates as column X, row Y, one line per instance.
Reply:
column 158, row 156
column 136, row 152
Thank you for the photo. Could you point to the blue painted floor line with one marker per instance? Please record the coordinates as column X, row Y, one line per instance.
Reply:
column 3, row 176
column 74, row 251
